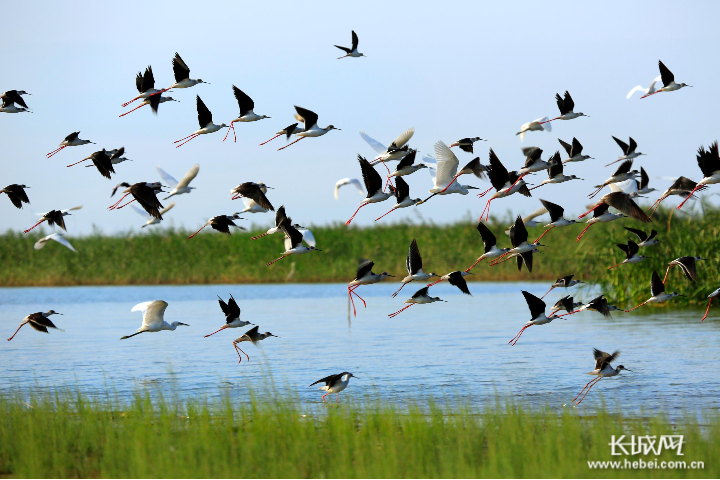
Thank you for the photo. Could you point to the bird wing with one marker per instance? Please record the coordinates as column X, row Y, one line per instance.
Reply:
column 414, row 259
column 204, row 114
column 377, row 146
column 72, row 136
column 329, row 380
column 497, row 172
column 625, row 204
column 308, row 237
column 252, row 191
column 60, row 239
column 535, row 304
column 407, row 160
column 536, row 213
column 569, row 102
column 148, row 81
column 141, row 212
column 153, row 311
column 632, row 248
column 166, row 209
column 189, row 176
column 623, row 168
column 348, row 181
column 638, row 88
column 567, row 147
column 71, row 209
column 555, row 210
column 456, row 279
column 309, row 118
column 644, row 178
column 447, row 164
column 604, row 358
column 373, row 181
column 233, row 307
column 169, row 179
column 665, row 73
column 421, row 293
column 486, row 235
column 364, row 268
column 293, row 234
column 656, row 285
column 642, row 236
column 354, row 40
column 623, row 146
column 244, row 101
column 402, row 189
column 560, row 104
column 689, row 267
column 633, row 145
column 404, row 137
column 344, row 49
column 180, row 69
column 518, row 232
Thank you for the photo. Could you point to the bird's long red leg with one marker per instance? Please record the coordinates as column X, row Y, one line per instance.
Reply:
column 516, row 181
column 323, row 397
column 131, row 101
column 381, row 216
column 128, row 203
column 395, row 314
column 690, row 195
column 583, row 232
column 588, row 390
column 565, row 314
column 485, row 192
column 295, row 141
column 654, row 207
column 111, row 207
column 83, row 160
column 23, row 324
column 553, row 312
column 352, row 291
column 122, row 115
column 238, row 350
column 221, row 329
column 636, row 306
column 451, row 182
column 543, row 234
column 499, row 258
column 41, row 221
column 276, row 260
column 596, row 192
column 476, row 262
column 48, row 155
column 398, row 290
column 487, row 208
column 191, row 236
column 259, row 236
column 273, row 138
column 708, row 310
column 517, row 337
column 228, row 131
column 649, row 94
column 192, row 137
column 551, row 120
column 583, row 389
column 666, row 273
column 435, row 282
column 353, row 215
column 551, row 289
column 352, row 301
column 499, row 261
column 618, row 264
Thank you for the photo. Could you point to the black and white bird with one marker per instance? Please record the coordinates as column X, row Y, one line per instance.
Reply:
column 645, row 240
column 466, row 144
column 395, row 151
column 522, row 250
column 407, row 165
column 373, row 187
column 489, row 243
column 657, row 290
column 505, row 183
column 71, row 140
column 622, row 174
column 294, row 241
column 563, row 282
column 312, row 129
column 602, row 369
column 280, row 218
column 537, row 312
column 253, row 191
column 643, row 185
column 232, row 315
column 668, row 80
column 222, row 223
column 247, row 113
column 54, row 217
column 10, row 98
column 288, row 131
column 709, row 163
column 566, row 106
column 631, row 251
column 205, row 121
column 352, row 51
column 335, row 384
column 688, row 265
column 146, row 195
column 145, row 84
column 414, row 266
column 253, row 336
column 711, row 297
column 574, row 151
column 599, row 304
column 401, row 190
column 102, row 162
column 533, row 161
column 421, row 297
column 565, row 303
column 557, row 218
column 629, row 150
column 555, row 172
column 601, row 214
column 40, row 321
column 622, row 202
column 364, row 276
column 16, row 193
column 153, row 318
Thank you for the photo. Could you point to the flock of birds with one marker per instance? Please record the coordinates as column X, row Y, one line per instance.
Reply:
column 624, row 187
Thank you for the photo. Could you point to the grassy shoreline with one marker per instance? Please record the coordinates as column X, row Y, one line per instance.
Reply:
column 65, row 434
column 168, row 257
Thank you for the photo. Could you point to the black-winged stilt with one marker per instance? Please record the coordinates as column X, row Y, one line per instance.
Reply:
column 401, row 190
column 631, row 254
column 688, row 265
column 352, row 51
column 420, row 297
column 146, row 195
column 566, row 106
column 222, row 223
column 16, row 193
column 574, row 151
column 537, row 310
column 489, row 243
column 563, row 282
column 204, row 120
column 414, row 266
column 312, row 129
column 602, row 369
column 54, row 217
column 294, row 241
column 557, row 218
column 40, row 321
column 466, row 144
column 668, row 80
column 232, row 315
column 629, row 151
column 247, row 113
column 645, row 240
column 71, row 140
column 373, row 186
column 657, row 290
column 364, row 276
column 334, row 384
column 253, row 336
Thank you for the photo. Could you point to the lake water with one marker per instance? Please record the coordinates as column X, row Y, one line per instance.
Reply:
column 454, row 351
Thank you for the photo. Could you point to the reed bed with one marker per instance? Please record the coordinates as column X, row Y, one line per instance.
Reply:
column 66, row 434
column 166, row 256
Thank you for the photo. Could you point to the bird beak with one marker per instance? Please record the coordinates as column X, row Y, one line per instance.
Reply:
column 470, row 273
column 318, row 250
column 391, row 275
column 180, row 323
column 628, row 370
column 56, row 313
column 472, row 188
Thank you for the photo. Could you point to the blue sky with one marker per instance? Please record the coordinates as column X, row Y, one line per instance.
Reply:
column 450, row 69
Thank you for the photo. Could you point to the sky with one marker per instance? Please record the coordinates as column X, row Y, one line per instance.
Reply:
column 450, row 70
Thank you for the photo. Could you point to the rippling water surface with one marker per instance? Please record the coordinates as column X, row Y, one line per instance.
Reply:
column 456, row 351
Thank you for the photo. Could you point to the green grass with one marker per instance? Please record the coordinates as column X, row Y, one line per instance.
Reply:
column 65, row 434
column 168, row 257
